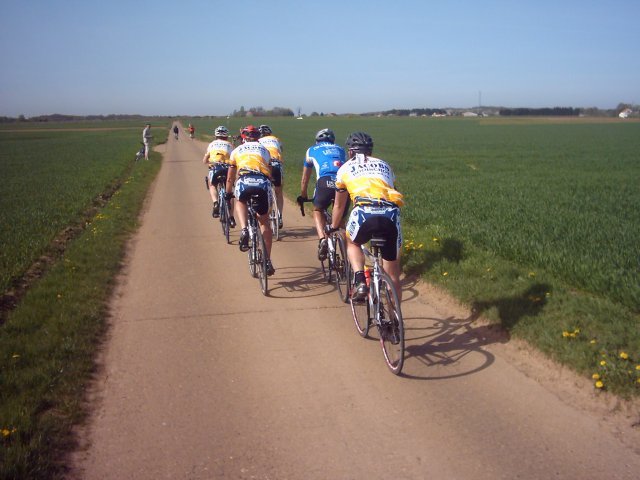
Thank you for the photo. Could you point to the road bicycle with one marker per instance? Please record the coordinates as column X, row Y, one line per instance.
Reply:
column 336, row 267
column 274, row 215
column 258, row 256
column 381, row 308
column 224, row 208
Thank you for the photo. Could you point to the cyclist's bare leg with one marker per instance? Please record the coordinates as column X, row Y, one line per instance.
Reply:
column 279, row 199
column 393, row 269
column 356, row 256
column 241, row 214
column 213, row 190
column 265, row 227
column 320, row 221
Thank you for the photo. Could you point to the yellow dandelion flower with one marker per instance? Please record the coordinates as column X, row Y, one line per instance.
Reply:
column 565, row 334
column 602, row 363
column 599, row 384
column 444, row 274
column 420, row 246
column 15, row 355
column 532, row 274
column 593, row 342
column 577, row 330
column 434, row 239
column 5, row 432
column 637, row 367
column 624, row 355
column 595, row 376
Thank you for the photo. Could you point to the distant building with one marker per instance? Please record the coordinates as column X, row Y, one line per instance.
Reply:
column 625, row 113
column 469, row 114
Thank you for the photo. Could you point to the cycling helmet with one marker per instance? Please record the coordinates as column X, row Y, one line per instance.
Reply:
column 326, row 135
column 222, row 131
column 360, row 142
column 249, row 133
column 265, row 130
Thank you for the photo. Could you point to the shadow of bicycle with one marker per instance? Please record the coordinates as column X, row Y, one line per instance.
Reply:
column 449, row 347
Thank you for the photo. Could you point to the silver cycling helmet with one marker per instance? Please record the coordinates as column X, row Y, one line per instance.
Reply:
column 265, row 130
column 326, row 135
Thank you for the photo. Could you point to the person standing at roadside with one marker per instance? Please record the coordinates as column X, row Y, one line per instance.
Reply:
column 326, row 157
column 146, row 139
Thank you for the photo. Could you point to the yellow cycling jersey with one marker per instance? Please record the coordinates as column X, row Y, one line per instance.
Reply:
column 368, row 178
column 219, row 151
column 251, row 157
column 272, row 143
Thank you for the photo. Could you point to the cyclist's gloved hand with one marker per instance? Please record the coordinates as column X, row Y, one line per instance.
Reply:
column 301, row 199
column 328, row 230
column 228, row 196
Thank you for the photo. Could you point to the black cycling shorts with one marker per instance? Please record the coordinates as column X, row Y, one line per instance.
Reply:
column 276, row 174
column 366, row 223
column 218, row 172
column 325, row 193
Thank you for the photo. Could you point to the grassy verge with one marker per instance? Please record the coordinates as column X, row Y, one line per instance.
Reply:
column 49, row 341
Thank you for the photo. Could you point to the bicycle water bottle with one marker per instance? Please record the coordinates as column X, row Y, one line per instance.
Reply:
column 367, row 275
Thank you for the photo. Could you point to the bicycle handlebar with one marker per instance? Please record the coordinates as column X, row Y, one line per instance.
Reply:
column 301, row 201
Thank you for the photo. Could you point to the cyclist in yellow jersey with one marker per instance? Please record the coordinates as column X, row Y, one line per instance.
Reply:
column 274, row 145
column 369, row 181
column 249, row 162
column 217, row 161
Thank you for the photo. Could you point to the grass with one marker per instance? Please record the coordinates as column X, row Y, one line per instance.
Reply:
column 536, row 221
column 49, row 340
column 531, row 223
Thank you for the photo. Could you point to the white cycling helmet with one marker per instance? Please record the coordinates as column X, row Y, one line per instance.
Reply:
column 222, row 131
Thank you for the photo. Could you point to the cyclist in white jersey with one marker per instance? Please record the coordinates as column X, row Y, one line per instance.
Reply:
column 274, row 145
column 217, row 160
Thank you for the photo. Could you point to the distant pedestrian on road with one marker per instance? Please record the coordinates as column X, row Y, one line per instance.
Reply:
column 146, row 139
column 176, row 130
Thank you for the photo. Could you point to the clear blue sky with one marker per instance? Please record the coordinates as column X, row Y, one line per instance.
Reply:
column 201, row 57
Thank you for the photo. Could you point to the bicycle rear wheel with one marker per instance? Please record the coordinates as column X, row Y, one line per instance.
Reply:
column 391, row 326
column 261, row 264
column 342, row 268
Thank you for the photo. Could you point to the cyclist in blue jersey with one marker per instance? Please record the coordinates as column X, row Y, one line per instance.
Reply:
column 326, row 158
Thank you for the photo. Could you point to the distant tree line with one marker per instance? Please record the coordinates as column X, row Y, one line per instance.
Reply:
column 405, row 112
column 261, row 112
column 57, row 117
column 546, row 112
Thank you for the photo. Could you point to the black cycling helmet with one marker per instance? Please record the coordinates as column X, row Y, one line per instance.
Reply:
column 250, row 133
column 360, row 142
column 326, row 135
column 265, row 130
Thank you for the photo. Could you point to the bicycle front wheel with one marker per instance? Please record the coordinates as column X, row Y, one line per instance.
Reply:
column 342, row 268
column 361, row 312
column 391, row 326
column 261, row 265
column 253, row 254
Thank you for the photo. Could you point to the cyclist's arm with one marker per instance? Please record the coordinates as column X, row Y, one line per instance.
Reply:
column 304, row 183
column 206, row 157
column 339, row 204
column 231, row 178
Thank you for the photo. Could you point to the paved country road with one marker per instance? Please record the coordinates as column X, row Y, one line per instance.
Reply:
column 202, row 377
